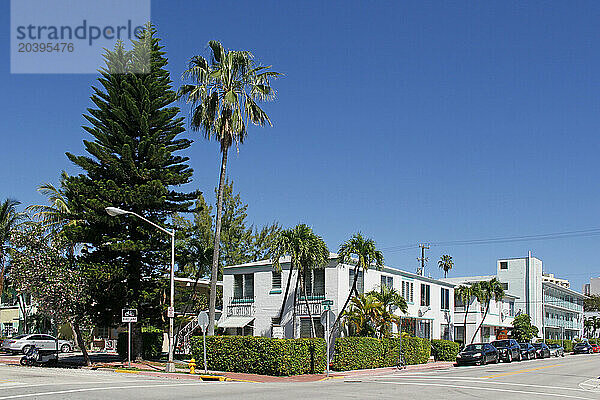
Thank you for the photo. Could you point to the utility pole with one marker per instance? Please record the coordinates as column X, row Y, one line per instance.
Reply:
column 423, row 259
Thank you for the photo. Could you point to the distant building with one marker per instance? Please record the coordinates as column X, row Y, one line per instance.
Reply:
column 592, row 288
column 554, row 308
column 14, row 310
column 253, row 294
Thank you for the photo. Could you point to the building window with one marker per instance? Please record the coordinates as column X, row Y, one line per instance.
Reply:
column 425, row 295
column 387, row 281
column 407, row 291
column 424, row 329
column 276, row 280
column 505, row 285
column 306, row 330
column 360, row 281
column 445, row 299
column 314, row 284
column 503, row 264
column 445, row 330
column 243, row 286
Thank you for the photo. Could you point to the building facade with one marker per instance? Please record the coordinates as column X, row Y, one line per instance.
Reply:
column 554, row 308
column 254, row 303
column 494, row 325
column 592, row 288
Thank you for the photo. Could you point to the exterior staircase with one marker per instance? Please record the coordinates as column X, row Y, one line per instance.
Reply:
column 183, row 345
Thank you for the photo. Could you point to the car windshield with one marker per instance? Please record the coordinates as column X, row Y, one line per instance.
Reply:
column 474, row 347
column 537, row 345
column 553, row 346
column 582, row 344
column 524, row 345
column 501, row 343
column 18, row 337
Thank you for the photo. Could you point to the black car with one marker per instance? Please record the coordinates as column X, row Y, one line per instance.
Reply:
column 527, row 351
column 508, row 349
column 477, row 353
column 541, row 350
column 583, row 348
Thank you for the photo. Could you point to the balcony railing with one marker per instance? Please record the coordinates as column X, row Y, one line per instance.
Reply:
column 241, row 307
column 314, row 305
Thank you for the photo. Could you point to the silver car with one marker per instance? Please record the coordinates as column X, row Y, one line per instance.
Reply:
column 22, row 343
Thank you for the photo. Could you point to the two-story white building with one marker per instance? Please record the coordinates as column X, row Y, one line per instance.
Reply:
column 253, row 295
column 496, row 323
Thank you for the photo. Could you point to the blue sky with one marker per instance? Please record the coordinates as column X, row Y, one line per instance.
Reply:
column 414, row 121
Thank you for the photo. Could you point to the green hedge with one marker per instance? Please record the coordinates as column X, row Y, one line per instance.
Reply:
column 444, row 350
column 152, row 341
column 261, row 355
column 366, row 352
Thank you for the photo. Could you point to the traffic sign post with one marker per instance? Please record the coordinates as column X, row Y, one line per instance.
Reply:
column 203, row 323
column 327, row 319
column 327, row 304
column 129, row 315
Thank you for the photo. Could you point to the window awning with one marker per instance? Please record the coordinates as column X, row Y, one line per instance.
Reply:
column 235, row 322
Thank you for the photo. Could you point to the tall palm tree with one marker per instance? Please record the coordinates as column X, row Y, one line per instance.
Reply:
column 390, row 301
column 485, row 293
column 465, row 294
column 363, row 315
column 307, row 251
column 446, row 263
column 10, row 218
column 54, row 218
column 364, row 252
column 224, row 96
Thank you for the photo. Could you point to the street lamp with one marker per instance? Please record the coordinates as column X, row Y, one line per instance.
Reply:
column 113, row 212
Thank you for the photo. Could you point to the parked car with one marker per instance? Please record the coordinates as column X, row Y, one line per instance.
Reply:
column 583, row 348
column 527, row 351
column 477, row 353
column 556, row 350
column 22, row 343
column 508, row 349
column 596, row 348
column 541, row 350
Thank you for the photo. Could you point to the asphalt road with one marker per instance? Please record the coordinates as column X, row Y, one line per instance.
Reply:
column 571, row 377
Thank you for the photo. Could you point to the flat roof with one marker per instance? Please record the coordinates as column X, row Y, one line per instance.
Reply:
column 564, row 289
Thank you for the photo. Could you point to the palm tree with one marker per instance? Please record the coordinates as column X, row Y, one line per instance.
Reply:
column 465, row 294
column 589, row 326
column 224, row 96
column 10, row 218
column 363, row 315
column 365, row 255
column 446, row 263
column 390, row 301
column 54, row 218
column 307, row 251
column 485, row 292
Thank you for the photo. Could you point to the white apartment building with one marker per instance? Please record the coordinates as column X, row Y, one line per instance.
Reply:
column 592, row 288
column 496, row 323
column 554, row 308
column 253, row 295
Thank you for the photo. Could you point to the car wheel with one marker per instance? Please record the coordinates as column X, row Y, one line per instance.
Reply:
column 25, row 349
column 496, row 359
column 483, row 360
column 520, row 357
column 23, row 361
column 509, row 357
column 65, row 348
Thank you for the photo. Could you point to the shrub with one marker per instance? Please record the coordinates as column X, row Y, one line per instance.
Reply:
column 260, row 355
column 366, row 352
column 152, row 340
column 444, row 350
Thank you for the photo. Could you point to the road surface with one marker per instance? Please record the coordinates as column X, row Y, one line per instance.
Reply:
column 571, row 377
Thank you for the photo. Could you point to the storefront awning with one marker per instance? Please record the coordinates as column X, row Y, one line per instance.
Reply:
column 235, row 322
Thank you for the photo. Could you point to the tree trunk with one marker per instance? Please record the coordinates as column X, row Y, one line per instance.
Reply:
column 23, row 308
column 487, row 308
column 312, row 323
column 80, row 342
column 287, row 289
column 352, row 290
column 295, row 303
column 2, row 266
column 215, row 262
column 465, row 325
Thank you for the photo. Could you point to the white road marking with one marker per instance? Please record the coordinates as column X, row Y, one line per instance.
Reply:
column 20, row 396
column 592, row 385
column 488, row 389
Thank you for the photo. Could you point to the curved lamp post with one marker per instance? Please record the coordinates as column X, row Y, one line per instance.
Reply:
column 113, row 212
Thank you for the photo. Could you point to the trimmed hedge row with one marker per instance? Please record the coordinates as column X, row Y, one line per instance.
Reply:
column 366, row 352
column 261, row 355
column 444, row 350
column 152, row 340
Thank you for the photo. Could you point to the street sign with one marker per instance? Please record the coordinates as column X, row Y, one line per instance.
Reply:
column 171, row 312
column 129, row 315
column 327, row 304
column 327, row 319
column 203, row 320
